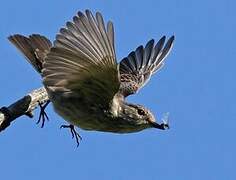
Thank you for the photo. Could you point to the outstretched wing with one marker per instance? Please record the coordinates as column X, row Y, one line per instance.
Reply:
column 82, row 61
column 137, row 68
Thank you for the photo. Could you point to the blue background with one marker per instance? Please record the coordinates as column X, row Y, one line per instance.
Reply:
column 196, row 85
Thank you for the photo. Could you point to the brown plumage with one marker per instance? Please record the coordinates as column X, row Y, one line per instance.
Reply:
column 35, row 47
column 85, row 84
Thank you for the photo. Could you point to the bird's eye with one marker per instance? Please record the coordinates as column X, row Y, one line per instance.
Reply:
column 141, row 112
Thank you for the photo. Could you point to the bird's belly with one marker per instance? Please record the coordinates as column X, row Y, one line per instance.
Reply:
column 93, row 120
column 80, row 115
column 89, row 117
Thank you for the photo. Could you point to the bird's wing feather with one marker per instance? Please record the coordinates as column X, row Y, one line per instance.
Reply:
column 35, row 47
column 137, row 68
column 82, row 60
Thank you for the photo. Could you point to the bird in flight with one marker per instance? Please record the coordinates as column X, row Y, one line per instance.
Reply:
column 84, row 81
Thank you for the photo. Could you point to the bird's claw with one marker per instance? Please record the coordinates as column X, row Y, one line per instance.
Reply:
column 74, row 133
column 43, row 115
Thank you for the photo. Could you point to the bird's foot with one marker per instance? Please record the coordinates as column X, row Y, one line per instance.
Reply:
column 74, row 133
column 43, row 115
column 165, row 121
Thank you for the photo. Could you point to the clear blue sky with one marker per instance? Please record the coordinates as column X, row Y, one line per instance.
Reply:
column 197, row 86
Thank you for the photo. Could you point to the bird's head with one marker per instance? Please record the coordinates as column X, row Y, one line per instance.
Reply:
column 140, row 117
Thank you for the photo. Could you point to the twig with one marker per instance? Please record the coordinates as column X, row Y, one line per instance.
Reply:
column 24, row 106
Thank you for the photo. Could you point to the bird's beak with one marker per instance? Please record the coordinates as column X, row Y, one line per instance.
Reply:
column 155, row 125
column 162, row 126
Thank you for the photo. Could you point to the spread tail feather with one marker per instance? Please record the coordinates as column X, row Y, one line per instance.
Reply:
column 35, row 47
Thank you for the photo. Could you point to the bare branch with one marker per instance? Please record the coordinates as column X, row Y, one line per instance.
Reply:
column 24, row 106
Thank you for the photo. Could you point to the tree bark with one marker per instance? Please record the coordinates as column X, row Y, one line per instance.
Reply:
column 24, row 106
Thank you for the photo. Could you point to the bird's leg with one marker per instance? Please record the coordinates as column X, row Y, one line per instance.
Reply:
column 74, row 133
column 43, row 115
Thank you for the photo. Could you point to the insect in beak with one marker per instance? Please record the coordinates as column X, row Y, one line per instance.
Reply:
column 164, row 125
